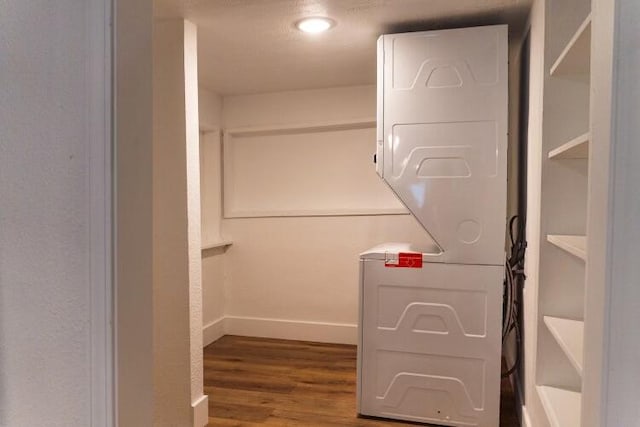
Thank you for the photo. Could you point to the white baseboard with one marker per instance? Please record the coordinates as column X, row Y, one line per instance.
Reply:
column 213, row 331
column 200, row 411
column 525, row 420
column 337, row 333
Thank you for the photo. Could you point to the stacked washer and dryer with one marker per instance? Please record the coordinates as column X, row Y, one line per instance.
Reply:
column 430, row 316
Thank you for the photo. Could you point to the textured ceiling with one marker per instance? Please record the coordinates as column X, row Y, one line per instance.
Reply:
column 249, row 46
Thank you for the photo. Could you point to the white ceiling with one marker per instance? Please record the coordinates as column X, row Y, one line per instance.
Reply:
column 250, row 46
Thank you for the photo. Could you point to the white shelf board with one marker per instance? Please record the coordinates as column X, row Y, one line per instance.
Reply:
column 577, row 148
column 569, row 334
column 562, row 406
column 575, row 245
column 234, row 213
column 576, row 57
column 214, row 245
column 335, row 125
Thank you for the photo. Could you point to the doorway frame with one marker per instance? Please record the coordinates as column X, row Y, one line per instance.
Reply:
column 99, row 120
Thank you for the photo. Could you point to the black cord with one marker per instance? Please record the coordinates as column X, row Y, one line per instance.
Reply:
column 514, row 274
column 516, row 362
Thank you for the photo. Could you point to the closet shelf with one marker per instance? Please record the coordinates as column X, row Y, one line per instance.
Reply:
column 329, row 126
column 576, row 57
column 577, row 148
column 569, row 334
column 575, row 245
column 214, row 245
column 562, row 406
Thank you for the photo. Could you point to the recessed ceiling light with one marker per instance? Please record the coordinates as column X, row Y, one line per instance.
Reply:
column 315, row 25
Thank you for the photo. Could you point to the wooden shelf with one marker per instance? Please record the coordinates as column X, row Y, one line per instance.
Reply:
column 577, row 148
column 214, row 245
column 575, row 245
column 569, row 334
column 575, row 59
column 562, row 406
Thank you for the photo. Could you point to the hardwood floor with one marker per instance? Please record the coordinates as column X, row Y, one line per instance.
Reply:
column 267, row 382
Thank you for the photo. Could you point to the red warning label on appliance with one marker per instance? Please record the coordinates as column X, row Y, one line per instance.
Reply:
column 405, row 260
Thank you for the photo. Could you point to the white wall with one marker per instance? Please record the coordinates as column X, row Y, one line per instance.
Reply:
column 309, row 171
column 306, row 106
column 594, row 390
column 515, row 149
column 619, row 396
column 159, row 378
column 134, row 234
column 515, row 52
column 297, row 276
column 303, row 269
column 533, row 413
column 213, row 259
column 213, row 293
column 209, row 110
column 54, row 262
column 177, row 293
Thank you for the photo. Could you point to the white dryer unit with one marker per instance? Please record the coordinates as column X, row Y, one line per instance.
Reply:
column 430, row 318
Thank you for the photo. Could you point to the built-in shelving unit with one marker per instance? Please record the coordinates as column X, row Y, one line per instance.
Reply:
column 577, row 148
column 569, row 335
column 562, row 406
column 566, row 150
column 576, row 56
column 575, row 245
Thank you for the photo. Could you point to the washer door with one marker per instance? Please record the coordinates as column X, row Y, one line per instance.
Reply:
column 430, row 344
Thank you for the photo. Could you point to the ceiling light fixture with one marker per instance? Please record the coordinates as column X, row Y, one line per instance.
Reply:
column 315, row 24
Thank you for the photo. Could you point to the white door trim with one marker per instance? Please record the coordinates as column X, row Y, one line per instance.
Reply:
column 99, row 119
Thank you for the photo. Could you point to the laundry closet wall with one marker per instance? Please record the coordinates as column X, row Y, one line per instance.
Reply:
column 301, row 201
column 213, row 256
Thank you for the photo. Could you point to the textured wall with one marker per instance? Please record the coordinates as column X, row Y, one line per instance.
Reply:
column 177, row 295
column 46, row 118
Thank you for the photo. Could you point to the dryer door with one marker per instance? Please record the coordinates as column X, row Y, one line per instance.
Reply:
column 442, row 141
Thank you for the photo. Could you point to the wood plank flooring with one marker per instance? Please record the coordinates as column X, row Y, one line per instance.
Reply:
column 268, row 382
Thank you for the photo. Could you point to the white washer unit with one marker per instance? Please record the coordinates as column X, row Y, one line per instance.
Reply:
column 430, row 318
